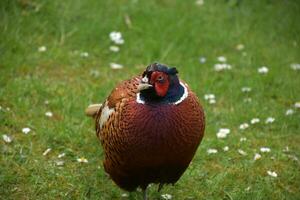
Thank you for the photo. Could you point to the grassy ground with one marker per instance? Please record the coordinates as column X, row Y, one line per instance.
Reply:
column 173, row 32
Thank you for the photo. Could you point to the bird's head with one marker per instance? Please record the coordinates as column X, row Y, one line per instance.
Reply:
column 158, row 80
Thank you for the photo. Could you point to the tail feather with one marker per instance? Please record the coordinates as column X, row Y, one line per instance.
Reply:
column 92, row 110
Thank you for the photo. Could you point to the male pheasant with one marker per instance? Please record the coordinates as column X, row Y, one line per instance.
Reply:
column 150, row 128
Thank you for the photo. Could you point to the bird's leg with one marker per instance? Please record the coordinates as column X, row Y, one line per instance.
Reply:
column 145, row 194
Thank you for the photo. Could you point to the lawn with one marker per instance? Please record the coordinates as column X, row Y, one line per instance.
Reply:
column 55, row 60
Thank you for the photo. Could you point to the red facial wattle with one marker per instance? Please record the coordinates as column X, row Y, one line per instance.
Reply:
column 161, row 83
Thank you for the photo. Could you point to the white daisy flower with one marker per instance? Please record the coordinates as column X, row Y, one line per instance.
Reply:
column 221, row 135
column 223, row 132
column 255, row 120
column 246, row 89
column 49, row 114
column 218, row 67
column 244, row 126
column 116, row 37
column 243, row 153
column 263, row 70
column 114, row 48
column 212, row 101
column 221, row 67
column 297, row 104
column 243, row 139
column 26, row 130
column 289, row 112
column 222, row 59
column 209, row 96
column 84, row 54
column 61, row 155
column 42, row 49
column 240, row 47
column 82, row 160
column 46, row 102
column 265, row 149
column 7, row 138
column 115, row 66
column 212, row 151
column 295, row 66
column 226, row 148
column 269, row 120
column 166, row 196
column 273, row 174
column 47, row 151
column 257, row 156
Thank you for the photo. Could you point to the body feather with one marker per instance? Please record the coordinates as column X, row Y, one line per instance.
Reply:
column 147, row 143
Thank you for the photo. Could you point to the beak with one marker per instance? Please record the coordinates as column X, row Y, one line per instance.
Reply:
column 144, row 86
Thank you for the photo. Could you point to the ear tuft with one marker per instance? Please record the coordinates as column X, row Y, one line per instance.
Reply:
column 172, row 71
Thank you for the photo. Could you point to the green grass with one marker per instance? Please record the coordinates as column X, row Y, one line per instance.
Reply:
column 173, row 32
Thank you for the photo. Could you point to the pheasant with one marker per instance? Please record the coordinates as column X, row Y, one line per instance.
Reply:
column 150, row 127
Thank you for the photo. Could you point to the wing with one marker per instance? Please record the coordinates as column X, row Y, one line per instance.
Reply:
column 109, row 111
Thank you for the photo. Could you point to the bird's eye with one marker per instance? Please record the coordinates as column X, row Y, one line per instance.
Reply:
column 160, row 78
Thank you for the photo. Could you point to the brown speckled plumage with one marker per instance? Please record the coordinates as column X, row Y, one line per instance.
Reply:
column 151, row 142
